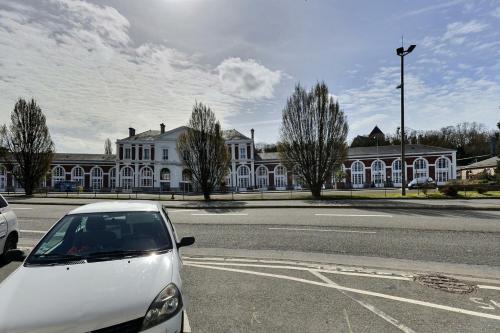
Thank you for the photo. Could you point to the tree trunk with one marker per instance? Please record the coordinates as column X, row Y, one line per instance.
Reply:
column 28, row 190
column 206, row 195
column 316, row 191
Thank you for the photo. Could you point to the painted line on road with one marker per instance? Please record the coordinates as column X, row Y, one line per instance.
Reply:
column 366, row 305
column 182, row 210
column 329, row 230
column 20, row 208
column 358, row 291
column 353, row 215
column 34, row 231
column 220, row 214
column 187, row 327
column 389, row 277
column 482, row 286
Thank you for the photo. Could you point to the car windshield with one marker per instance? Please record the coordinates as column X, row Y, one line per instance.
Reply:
column 102, row 236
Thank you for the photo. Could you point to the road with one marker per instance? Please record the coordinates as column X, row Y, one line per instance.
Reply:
column 240, row 292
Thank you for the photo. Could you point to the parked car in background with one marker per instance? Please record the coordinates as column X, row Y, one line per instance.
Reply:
column 9, row 230
column 104, row 267
column 422, row 182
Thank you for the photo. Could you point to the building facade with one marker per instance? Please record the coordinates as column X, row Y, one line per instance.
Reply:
column 149, row 161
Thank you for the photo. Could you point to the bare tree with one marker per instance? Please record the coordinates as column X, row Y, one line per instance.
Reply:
column 30, row 148
column 108, row 148
column 313, row 135
column 203, row 149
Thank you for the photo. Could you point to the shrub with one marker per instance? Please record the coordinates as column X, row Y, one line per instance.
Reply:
column 449, row 190
column 481, row 190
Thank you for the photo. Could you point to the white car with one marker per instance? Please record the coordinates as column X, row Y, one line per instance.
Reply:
column 9, row 230
column 104, row 267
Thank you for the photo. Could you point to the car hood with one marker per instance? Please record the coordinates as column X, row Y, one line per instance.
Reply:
column 82, row 297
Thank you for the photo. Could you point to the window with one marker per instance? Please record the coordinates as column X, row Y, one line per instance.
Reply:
column 420, row 168
column 96, row 178
column 112, row 178
column 442, row 170
column 77, row 175
column 243, row 176
column 280, row 180
column 378, row 173
column 127, row 178
column 146, row 177
column 165, row 175
column 58, row 175
column 3, row 178
column 357, row 174
column 396, row 172
column 128, row 153
column 262, row 178
column 88, row 235
column 165, row 154
column 186, row 176
column 243, row 153
column 146, row 154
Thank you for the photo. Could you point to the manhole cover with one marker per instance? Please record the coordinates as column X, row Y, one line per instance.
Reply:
column 445, row 283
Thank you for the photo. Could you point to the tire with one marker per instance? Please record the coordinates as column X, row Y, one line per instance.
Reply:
column 10, row 244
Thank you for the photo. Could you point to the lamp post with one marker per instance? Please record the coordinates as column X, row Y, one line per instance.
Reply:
column 401, row 52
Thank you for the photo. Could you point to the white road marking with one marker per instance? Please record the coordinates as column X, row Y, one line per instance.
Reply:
column 187, row 327
column 482, row 286
column 354, row 215
column 328, row 230
column 19, row 208
column 34, row 231
column 219, row 214
column 182, row 210
column 366, row 305
column 388, row 277
column 348, row 322
column 357, row 291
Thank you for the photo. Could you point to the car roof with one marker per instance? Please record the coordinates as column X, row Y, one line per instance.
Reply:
column 117, row 206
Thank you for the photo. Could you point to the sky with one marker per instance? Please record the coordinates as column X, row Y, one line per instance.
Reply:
column 99, row 67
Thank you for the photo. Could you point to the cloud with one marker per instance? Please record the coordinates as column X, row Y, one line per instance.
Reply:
column 93, row 81
column 247, row 79
column 460, row 29
column 433, row 8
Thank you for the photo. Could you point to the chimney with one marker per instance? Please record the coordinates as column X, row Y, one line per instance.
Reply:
column 162, row 128
column 131, row 131
column 493, row 146
column 252, row 131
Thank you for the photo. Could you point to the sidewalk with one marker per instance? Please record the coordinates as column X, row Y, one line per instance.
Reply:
column 456, row 204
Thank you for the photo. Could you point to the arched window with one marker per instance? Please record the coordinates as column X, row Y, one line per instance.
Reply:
column 187, row 176
column 78, row 175
column 243, row 177
column 112, row 178
column 165, row 175
column 280, row 180
column 378, row 173
column 96, row 178
column 3, row 178
column 127, row 178
column 58, row 175
column 357, row 174
column 420, row 168
column 443, row 170
column 396, row 172
column 146, row 177
column 262, row 177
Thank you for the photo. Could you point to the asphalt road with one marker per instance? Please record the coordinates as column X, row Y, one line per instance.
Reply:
column 251, row 295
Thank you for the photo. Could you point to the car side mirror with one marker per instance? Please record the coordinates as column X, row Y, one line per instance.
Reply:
column 185, row 241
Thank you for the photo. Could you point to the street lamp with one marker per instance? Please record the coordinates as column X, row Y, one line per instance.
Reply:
column 401, row 52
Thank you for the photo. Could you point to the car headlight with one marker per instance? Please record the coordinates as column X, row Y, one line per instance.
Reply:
column 166, row 305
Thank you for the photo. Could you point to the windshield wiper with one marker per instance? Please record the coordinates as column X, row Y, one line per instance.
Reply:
column 57, row 257
column 118, row 253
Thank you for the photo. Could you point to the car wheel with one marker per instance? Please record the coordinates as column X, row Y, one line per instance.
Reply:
column 10, row 244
